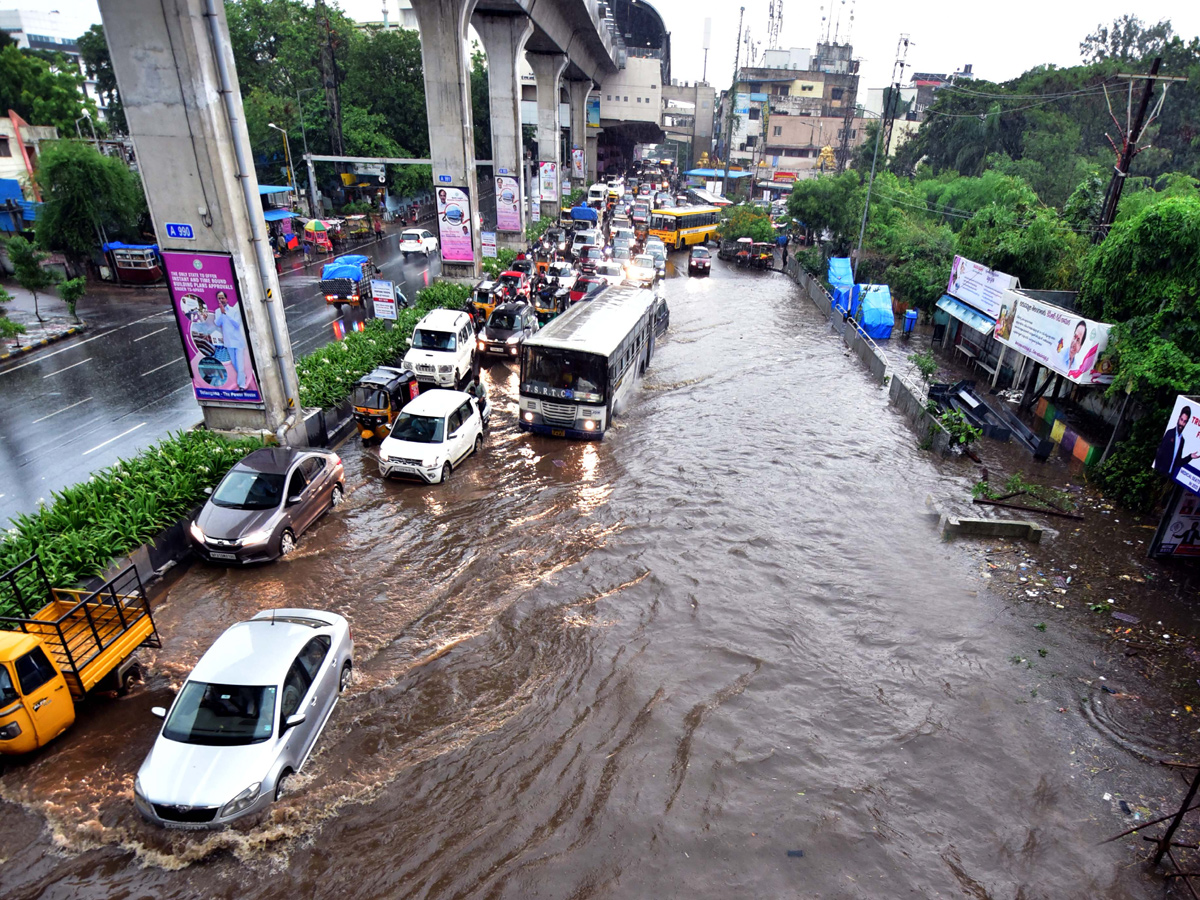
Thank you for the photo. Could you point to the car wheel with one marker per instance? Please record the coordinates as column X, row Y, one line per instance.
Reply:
column 287, row 542
column 478, row 442
column 337, row 496
column 347, row 677
column 404, row 253
column 280, row 783
column 445, row 473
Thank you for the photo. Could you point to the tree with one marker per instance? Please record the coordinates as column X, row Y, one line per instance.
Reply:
column 831, row 203
column 93, row 50
column 86, row 195
column 42, row 91
column 10, row 329
column 70, row 292
column 27, row 261
column 1128, row 40
column 481, row 108
column 747, row 221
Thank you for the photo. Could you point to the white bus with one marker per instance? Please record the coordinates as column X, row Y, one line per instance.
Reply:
column 578, row 371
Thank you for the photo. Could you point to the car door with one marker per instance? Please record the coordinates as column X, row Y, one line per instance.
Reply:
column 316, row 495
column 294, row 700
column 472, row 425
column 296, row 510
column 454, row 437
column 322, row 668
column 47, row 700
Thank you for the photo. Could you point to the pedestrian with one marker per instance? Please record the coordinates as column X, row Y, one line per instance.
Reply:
column 307, row 252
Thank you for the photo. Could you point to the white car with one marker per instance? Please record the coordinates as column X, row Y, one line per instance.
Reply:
column 246, row 718
column 583, row 239
column 642, row 270
column 443, row 349
column 612, row 272
column 417, row 240
column 431, row 436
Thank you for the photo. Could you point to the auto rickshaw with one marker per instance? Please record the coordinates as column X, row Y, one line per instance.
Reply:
column 762, row 256
column 484, row 299
column 550, row 299
column 743, row 252
column 641, row 231
column 378, row 399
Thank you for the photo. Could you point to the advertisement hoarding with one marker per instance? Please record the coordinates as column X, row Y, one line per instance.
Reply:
column 208, row 310
column 979, row 286
column 1178, row 455
column 577, row 163
column 593, row 112
column 1181, row 537
column 1061, row 340
column 454, row 224
column 508, row 200
column 548, row 181
column 488, row 243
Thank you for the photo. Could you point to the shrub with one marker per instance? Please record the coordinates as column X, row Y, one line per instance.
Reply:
column 503, row 261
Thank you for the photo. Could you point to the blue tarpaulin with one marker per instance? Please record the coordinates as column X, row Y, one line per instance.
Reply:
column 349, row 266
column 272, row 189
column 121, row 245
column 354, row 259
column 274, row 215
column 877, row 319
column 846, row 299
column 718, row 173
column 584, row 214
column 839, row 272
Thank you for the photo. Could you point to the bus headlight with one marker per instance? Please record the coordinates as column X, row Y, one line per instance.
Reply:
column 589, row 425
column 528, row 416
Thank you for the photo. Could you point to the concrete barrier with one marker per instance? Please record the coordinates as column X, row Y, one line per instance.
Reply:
column 910, row 401
column 952, row 526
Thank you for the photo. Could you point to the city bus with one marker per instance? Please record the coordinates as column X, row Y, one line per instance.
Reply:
column 685, row 225
column 578, row 371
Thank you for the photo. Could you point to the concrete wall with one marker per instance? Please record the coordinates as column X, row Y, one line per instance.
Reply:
column 641, row 82
column 910, row 401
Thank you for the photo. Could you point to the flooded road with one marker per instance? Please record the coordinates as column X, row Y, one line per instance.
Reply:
column 721, row 654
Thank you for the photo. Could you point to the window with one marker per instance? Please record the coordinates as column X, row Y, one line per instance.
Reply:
column 608, row 97
column 297, row 485
column 806, row 88
column 777, row 130
column 626, row 99
column 836, row 93
column 295, row 686
column 452, row 425
column 312, row 468
column 5, row 150
column 752, row 140
column 755, row 113
column 33, row 670
column 313, row 655
column 639, row 99
column 465, row 411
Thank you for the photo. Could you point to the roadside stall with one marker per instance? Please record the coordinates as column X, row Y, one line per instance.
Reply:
column 133, row 263
column 316, row 236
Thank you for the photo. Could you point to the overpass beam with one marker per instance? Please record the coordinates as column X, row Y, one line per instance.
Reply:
column 444, row 57
column 504, row 40
column 547, row 70
column 578, row 92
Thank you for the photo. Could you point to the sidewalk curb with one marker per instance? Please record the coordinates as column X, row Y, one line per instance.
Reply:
column 44, row 342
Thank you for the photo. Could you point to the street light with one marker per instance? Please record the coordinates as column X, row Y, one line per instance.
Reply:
column 87, row 115
column 312, row 181
column 287, row 153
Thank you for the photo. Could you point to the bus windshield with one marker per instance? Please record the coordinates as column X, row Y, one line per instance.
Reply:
column 663, row 223
column 553, row 372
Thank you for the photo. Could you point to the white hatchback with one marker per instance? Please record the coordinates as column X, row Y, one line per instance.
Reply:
column 432, row 436
column 417, row 240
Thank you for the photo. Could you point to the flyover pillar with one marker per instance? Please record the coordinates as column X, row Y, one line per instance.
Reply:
column 444, row 58
column 504, row 38
column 578, row 92
column 547, row 70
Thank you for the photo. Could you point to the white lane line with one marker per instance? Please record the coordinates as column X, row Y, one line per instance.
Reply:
column 75, row 344
column 63, row 410
column 291, row 305
column 151, row 334
column 71, row 366
column 110, row 440
column 163, row 366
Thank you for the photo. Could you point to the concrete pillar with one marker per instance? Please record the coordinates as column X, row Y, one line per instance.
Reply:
column 194, row 157
column 578, row 92
column 504, row 40
column 547, row 70
column 593, row 142
column 446, row 64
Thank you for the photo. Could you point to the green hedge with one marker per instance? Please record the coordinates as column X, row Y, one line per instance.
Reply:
column 86, row 526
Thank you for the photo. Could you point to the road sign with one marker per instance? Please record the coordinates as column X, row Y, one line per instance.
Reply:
column 180, row 232
column 489, row 243
column 383, row 297
column 444, row 178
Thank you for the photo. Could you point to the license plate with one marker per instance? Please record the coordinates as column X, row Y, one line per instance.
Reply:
column 558, row 432
column 215, row 554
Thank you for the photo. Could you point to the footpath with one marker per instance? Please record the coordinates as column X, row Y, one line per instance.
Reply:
column 55, row 322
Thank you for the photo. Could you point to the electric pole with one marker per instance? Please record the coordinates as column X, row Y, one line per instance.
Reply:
column 893, row 96
column 731, row 100
column 329, row 79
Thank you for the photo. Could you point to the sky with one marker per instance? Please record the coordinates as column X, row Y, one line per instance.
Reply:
column 1000, row 41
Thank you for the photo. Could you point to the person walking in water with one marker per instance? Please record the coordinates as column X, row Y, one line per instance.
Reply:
column 234, row 339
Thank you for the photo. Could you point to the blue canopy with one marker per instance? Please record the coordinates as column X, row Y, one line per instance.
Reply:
column 353, row 259
column 272, row 189
column 846, row 299
column 120, row 245
column 877, row 318
column 839, row 272
column 349, row 266
column 718, row 173
column 274, row 215
column 966, row 314
column 584, row 214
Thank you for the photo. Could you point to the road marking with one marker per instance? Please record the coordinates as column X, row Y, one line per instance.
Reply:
column 151, row 334
column 291, row 305
column 63, row 410
column 163, row 366
column 71, row 366
column 95, row 337
column 110, row 440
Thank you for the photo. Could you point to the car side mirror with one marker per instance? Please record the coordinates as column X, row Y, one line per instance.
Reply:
column 160, row 711
column 208, row 491
column 294, row 720
column 293, row 500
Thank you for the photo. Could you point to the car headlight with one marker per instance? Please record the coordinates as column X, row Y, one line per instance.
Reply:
column 10, row 731
column 430, row 463
column 512, row 339
column 197, row 532
column 242, row 801
column 258, row 537
column 482, row 344
column 528, row 417
column 139, row 796
column 589, row 425
column 445, row 370
column 406, row 366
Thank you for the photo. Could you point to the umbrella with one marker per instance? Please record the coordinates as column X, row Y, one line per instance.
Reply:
column 315, row 225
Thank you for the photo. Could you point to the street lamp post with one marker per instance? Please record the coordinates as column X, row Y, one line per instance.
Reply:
column 287, row 155
column 312, row 179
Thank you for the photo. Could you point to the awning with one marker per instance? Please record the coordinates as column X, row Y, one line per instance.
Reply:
column 968, row 315
column 272, row 189
column 274, row 215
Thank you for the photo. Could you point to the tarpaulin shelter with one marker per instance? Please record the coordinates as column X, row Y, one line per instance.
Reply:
column 839, row 272
column 584, row 214
column 846, row 299
column 876, row 317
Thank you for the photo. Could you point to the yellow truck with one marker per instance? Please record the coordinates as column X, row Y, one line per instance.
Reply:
column 62, row 645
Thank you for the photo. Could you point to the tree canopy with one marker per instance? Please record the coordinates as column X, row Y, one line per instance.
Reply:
column 42, row 88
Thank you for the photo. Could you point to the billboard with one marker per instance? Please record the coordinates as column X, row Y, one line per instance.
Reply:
column 1178, row 455
column 454, row 224
column 508, row 203
column 208, row 310
column 548, row 181
column 979, row 286
column 1059, row 339
column 593, row 112
column 1181, row 537
column 577, row 163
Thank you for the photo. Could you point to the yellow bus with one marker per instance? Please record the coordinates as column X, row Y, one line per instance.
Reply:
column 686, row 225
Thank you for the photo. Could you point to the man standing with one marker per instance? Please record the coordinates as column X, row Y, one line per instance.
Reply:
column 1170, row 457
column 234, row 339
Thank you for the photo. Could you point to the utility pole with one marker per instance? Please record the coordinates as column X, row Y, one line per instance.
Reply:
column 1129, row 148
column 893, row 96
column 329, row 78
column 731, row 100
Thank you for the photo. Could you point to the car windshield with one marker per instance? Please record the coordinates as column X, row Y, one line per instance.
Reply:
column 221, row 715
column 504, row 320
column 424, row 339
column 419, row 429
column 484, row 297
column 411, row 236
column 564, row 370
column 622, row 253
column 247, row 489
column 699, row 253
column 593, row 253
column 370, row 398
column 608, row 269
column 644, row 261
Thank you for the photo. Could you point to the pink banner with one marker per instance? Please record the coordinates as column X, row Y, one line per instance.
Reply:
column 508, row 204
column 454, row 224
column 204, row 293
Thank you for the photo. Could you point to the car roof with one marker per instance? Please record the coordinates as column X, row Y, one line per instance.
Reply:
column 437, row 402
column 443, row 318
column 513, row 272
column 512, row 306
column 272, row 460
column 258, row 652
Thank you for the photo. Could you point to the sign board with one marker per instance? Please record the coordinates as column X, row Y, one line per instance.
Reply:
column 374, row 170
column 1181, row 534
column 593, row 112
column 1059, row 339
column 979, row 286
column 488, row 239
column 384, row 309
column 785, row 177
column 445, row 179
column 548, row 181
column 508, row 203
column 212, row 325
column 454, row 224
column 180, row 232
column 1178, row 455
column 577, row 163
column 741, row 106
column 383, row 290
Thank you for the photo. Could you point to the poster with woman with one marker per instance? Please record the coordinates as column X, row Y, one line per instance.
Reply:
column 211, row 322
column 508, row 202
column 454, row 224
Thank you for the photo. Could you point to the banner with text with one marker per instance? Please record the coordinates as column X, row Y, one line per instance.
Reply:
column 979, row 286
column 508, row 201
column 1059, row 339
column 454, row 224
column 1178, row 455
column 548, row 181
column 577, row 163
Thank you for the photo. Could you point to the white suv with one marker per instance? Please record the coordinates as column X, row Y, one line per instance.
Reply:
column 431, row 436
column 443, row 349
column 417, row 240
column 583, row 239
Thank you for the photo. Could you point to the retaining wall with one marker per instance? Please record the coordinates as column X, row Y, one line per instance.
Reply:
column 910, row 400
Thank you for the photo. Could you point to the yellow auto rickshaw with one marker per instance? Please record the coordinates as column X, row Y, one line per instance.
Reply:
column 378, row 399
column 484, row 298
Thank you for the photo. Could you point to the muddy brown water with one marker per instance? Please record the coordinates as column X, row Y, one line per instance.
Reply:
column 722, row 653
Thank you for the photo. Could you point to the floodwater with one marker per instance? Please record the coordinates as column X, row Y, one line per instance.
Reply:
column 721, row 654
